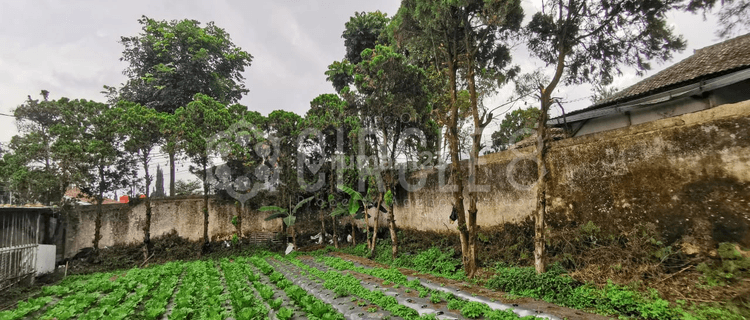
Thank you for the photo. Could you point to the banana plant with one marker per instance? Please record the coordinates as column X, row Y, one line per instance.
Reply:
column 288, row 217
column 356, row 209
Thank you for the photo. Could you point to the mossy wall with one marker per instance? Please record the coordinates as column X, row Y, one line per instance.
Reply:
column 687, row 175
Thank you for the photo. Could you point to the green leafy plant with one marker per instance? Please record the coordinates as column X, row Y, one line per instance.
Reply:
column 435, row 298
column 284, row 214
column 284, row 314
column 455, row 304
column 276, row 303
column 474, row 310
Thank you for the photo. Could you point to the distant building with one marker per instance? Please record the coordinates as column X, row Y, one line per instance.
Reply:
column 712, row 76
column 81, row 198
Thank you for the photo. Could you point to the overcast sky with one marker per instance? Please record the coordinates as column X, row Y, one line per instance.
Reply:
column 71, row 48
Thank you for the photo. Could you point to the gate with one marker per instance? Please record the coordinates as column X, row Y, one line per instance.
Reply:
column 19, row 239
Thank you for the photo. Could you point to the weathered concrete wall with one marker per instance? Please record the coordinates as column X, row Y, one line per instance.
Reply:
column 689, row 175
column 123, row 223
column 499, row 201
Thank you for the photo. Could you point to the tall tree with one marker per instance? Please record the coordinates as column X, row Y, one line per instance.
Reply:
column 466, row 35
column 86, row 136
column 363, row 31
column 588, row 42
column 41, row 176
column 329, row 115
column 394, row 100
column 171, row 61
column 199, row 121
column 159, row 183
column 141, row 127
column 285, row 127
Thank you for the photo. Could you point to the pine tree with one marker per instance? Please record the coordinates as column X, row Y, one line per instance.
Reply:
column 159, row 188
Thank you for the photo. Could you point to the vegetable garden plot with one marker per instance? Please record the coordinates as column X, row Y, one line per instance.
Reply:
column 264, row 286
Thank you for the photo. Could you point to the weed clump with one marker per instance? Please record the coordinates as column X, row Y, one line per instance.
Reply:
column 731, row 268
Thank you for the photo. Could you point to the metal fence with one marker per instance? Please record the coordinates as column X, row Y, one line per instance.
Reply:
column 19, row 239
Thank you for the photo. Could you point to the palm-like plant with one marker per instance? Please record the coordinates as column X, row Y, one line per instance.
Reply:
column 357, row 203
column 287, row 217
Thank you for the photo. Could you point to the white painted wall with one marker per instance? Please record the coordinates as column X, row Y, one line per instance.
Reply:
column 45, row 258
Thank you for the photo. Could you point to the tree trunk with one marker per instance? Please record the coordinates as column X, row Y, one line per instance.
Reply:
column 98, row 220
column 322, row 227
column 283, row 234
column 541, row 196
column 98, row 223
column 205, row 207
column 392, row 227
column 367, row 224
column 479, row 123
column 541, row 160
column 147, row 228
column 335, row 234
column 171, row 173
column 237, row 218
column 458, row 192
column 375, row 227
column 354, row 234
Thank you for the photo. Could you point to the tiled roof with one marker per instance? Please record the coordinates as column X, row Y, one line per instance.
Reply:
column 708, row 62
column 75, row 193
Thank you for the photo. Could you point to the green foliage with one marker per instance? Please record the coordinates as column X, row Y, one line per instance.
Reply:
column 284, row 314
column 732, row 267
column 282, row 213
column 363, row 31
column 554, row 286
column 456, row 304
column 516, row 126
column 276, row 303
column 435, row 298
column 473, row 310
column 433, row 261
column 171, row 61
column 388, row 198
column 184, row 188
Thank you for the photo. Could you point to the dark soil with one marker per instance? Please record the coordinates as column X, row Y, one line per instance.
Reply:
column 9, row 297
column 168, row 247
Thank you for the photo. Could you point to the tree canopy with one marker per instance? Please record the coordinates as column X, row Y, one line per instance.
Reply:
column 171, row 61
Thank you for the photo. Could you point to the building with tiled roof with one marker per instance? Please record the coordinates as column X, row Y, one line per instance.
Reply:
column 712, row 76
column 83, row 199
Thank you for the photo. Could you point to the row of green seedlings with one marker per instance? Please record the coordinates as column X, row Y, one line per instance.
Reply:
column 344, row 285
column 315, row 308
column 74, row 284
column 201, row 294
column 78, row 294
column 469, row 309
column 153, row 285
column 245, row 304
